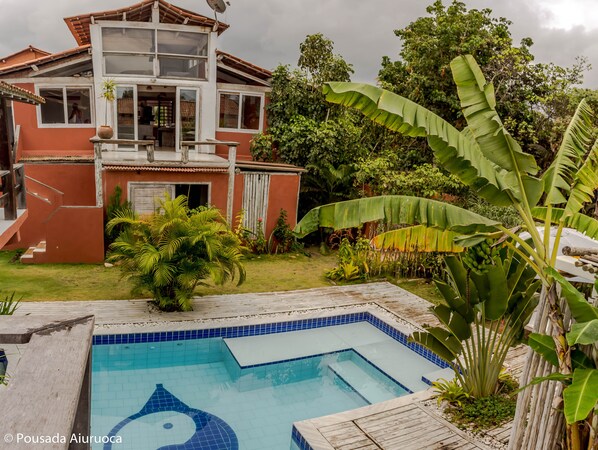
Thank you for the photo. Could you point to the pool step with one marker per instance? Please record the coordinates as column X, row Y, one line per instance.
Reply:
column 371, row 389
column 446, row 374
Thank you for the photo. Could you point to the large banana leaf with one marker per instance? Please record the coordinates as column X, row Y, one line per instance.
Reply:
column 560, row 176
column 586, row 182
column 581, row 309
column 395, row 209
column 583, row 333
column 581, row 395
column 478, row 104
column 456, row 151
column 579, row 221
column 418, row 238
column 544, row 345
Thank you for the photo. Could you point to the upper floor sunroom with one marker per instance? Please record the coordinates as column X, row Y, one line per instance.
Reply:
column 150, row 39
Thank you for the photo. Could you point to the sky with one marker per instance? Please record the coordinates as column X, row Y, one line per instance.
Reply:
column 268, row 32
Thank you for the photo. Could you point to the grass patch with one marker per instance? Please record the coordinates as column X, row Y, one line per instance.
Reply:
column 96, row 282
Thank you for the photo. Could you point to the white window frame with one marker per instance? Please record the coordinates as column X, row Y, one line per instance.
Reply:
column 64, row 87
column 241, row 94
column 155, row 54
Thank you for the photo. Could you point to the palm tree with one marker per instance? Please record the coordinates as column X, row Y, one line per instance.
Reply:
column 171, row 252
column 486, row 158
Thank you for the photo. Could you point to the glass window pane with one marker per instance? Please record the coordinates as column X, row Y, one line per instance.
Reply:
column 188, row 103
column 182, row 67
column 129, row 65
column 132, row 40
column 181, row 43
column 125, row 113
column 250, row 118
column 53, row 110
column 79, row 105
column 229, row 111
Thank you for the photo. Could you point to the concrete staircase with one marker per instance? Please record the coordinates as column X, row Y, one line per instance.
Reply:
column 34, row 254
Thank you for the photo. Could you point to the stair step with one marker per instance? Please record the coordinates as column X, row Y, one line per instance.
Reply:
column 374, row 389
column 31, row 252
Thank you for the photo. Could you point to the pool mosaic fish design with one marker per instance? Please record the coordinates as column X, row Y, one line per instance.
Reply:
column 211, row 432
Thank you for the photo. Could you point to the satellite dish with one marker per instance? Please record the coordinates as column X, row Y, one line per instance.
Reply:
column 219, row 6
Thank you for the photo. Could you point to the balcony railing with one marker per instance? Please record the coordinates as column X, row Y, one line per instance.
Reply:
column 151, row 157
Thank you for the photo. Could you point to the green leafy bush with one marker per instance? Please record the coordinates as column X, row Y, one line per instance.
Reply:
column 485, row 412
column 172, row 251
column 352, row 261
column 281, row 239
column 450, row 391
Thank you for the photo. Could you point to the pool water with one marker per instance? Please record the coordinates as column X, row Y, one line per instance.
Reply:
column 244, row 392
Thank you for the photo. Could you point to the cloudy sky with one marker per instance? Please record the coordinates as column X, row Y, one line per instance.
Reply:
column 268, row 32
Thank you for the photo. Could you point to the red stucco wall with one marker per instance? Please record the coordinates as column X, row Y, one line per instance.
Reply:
column 36, row 141
column 243, row 139
column 283, row 194
column 75, row 181
column 75, row 235
column 50, row 186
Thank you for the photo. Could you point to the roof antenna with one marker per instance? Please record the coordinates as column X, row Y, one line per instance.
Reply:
column 219, row 6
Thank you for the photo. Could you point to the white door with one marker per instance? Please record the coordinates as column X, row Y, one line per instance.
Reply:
column 187, row 117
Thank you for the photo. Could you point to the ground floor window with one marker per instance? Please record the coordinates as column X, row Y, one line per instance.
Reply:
column 145, row 197
column 197, row 194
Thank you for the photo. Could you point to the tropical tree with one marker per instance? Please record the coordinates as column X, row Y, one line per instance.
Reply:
column 485, row 157
column 532, row 96
column 172, row 251
column 483, row 314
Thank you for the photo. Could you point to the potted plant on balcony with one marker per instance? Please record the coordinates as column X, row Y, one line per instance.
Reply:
column 109, row 94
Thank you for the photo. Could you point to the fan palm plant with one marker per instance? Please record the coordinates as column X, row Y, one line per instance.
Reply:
column 486, row 158
column 171, row 252
column 482, row 315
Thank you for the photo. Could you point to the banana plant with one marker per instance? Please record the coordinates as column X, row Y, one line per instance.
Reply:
column 485, row 157
column 483, row 314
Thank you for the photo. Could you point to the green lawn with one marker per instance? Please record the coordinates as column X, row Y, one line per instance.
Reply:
column 96, row 282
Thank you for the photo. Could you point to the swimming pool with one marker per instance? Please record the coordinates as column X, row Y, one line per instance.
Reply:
column 243, row 387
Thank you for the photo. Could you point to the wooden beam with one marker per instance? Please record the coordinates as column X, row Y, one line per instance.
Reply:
column 232, row 157
column 50, row 385
column 6, row 163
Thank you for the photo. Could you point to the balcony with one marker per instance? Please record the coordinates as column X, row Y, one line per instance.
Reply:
column 113, row 152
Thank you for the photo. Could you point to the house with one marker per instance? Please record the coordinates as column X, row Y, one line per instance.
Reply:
column 13, row 201
column 184, row 115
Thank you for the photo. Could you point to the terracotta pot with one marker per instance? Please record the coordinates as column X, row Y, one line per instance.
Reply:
column 105, row 132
